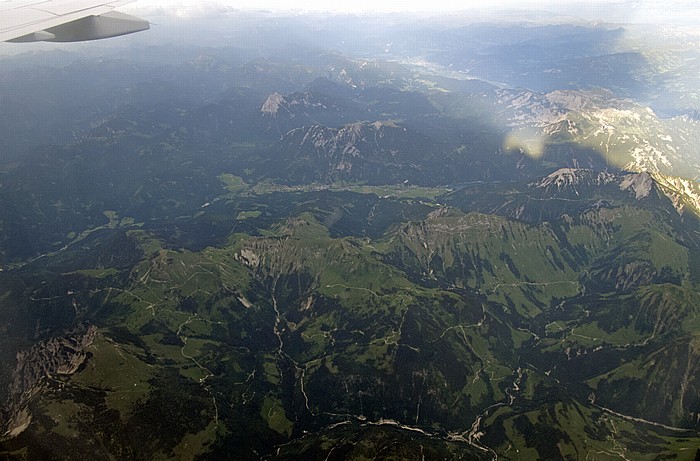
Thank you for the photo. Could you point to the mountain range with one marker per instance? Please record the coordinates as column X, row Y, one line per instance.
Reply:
column 430, row 254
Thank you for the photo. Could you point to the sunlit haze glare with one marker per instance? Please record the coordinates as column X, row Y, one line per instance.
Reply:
column 685, row 12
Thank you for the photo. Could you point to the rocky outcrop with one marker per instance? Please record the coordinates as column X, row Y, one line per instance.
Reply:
column 641, row 184
column 571, row 178
column 380, row 152
column 684, row 193
column 272, row 104
column 56, row 356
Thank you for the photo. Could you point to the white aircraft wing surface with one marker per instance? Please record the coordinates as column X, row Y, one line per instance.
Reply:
column 64, row 20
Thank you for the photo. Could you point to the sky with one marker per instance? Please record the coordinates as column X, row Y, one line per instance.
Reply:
column 685, row 12
column 326, row 5
column 194, row 7
column 681, row 15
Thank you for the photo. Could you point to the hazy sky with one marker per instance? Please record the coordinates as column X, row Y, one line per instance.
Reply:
column 681, row 14
column 183, row 7
column 686, row 12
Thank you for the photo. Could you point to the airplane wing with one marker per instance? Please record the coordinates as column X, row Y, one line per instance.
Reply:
column 65, row 20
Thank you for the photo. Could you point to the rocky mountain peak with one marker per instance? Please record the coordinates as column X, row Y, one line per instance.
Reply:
column 205, row 62
column 318, row 136
column 272, row 104
column 276, row 102
column 358, row 132
column 567, row 178
column 640, row 183
column 684, row 193
column 347, row 137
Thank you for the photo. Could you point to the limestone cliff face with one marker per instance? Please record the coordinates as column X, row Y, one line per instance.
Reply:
column 55, row 356
column 380, row 152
